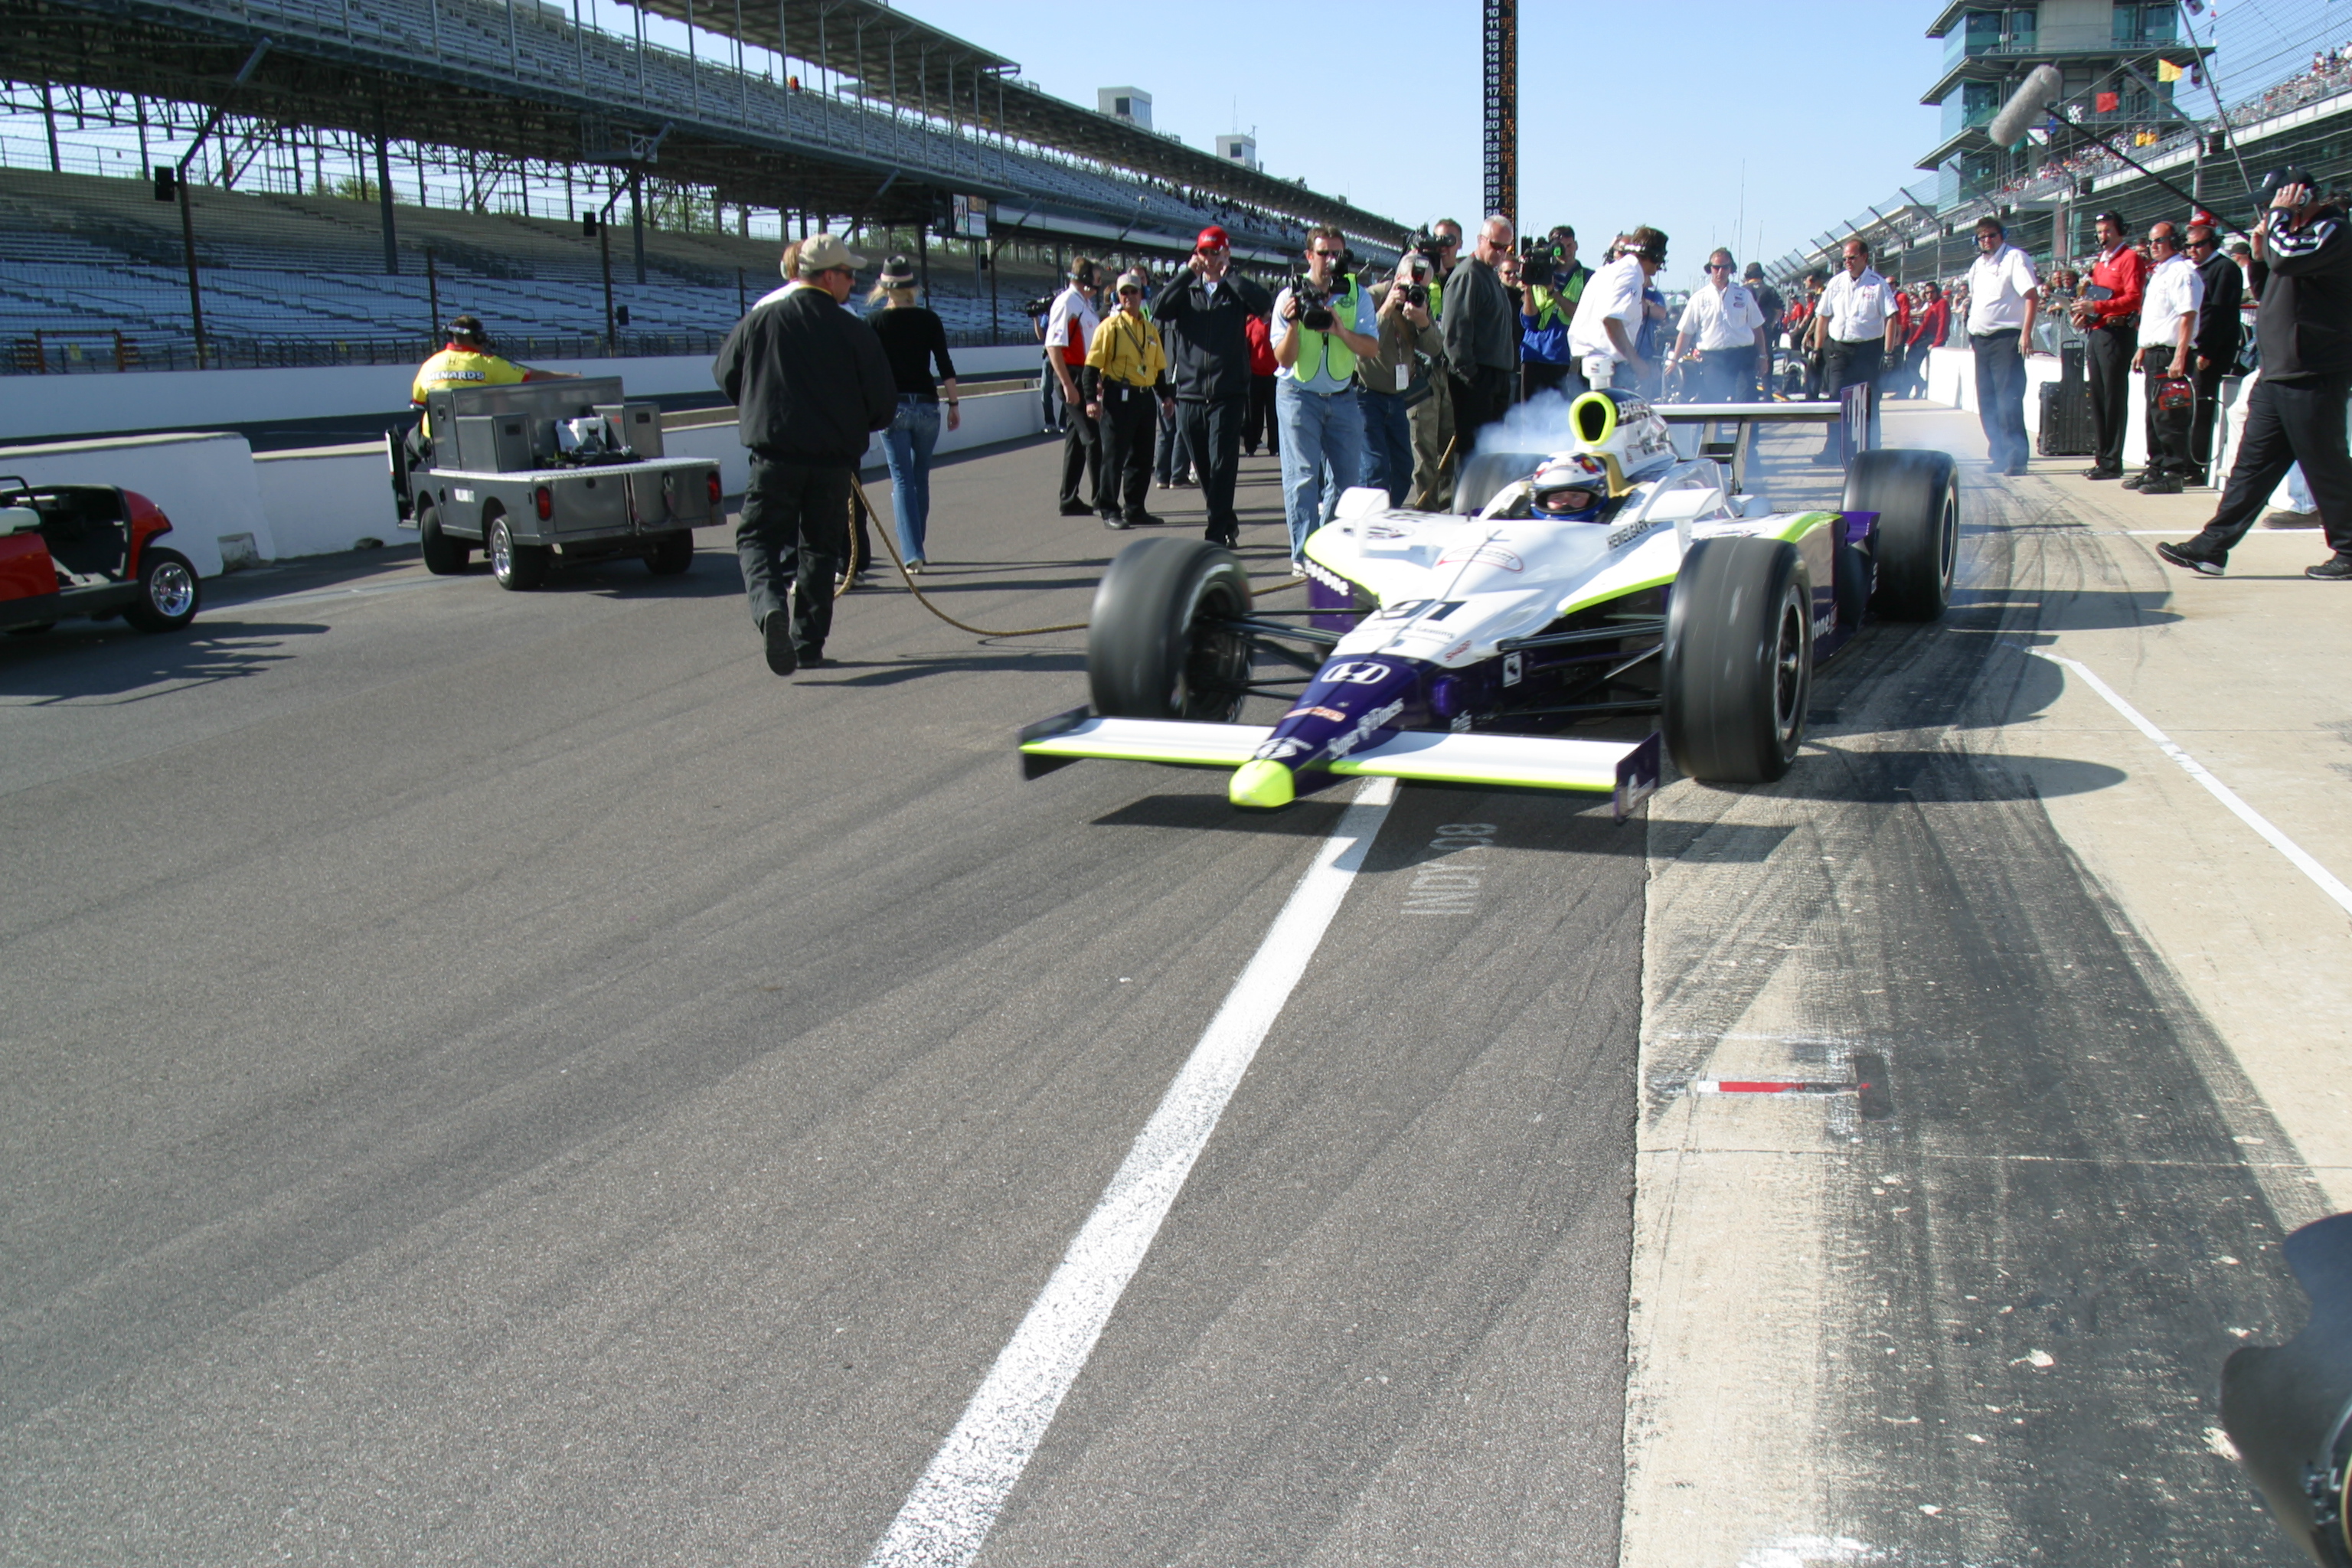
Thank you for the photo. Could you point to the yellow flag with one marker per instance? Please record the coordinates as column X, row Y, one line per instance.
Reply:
column 2167, row 72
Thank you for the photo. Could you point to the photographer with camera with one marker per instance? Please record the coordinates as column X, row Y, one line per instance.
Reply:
column 1433, row 416
column 1070, row 334
column 1400, row 377
column 1603, row 334
column 1555, row 285
column 1204, row 312
column 1323, row 324
column 1481, row 336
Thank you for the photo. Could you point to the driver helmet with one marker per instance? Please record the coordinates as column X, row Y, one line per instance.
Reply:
column 1571, row 488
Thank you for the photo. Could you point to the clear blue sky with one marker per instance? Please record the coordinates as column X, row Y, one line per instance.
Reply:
column 1380, row 102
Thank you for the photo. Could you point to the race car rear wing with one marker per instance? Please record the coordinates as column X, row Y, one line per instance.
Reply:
column 1732, row 446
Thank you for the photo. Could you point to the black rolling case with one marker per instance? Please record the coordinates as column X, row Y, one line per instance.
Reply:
column 2066, row 408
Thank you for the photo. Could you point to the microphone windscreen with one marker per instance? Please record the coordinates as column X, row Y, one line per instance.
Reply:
column 2026, row 105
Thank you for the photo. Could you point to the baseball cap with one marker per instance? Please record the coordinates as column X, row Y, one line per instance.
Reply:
column 1135, row 281
column 824, row 252
column 2115, row 218
column 1213, row 238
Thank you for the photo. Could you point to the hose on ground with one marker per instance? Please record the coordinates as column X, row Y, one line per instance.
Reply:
column 890, row 544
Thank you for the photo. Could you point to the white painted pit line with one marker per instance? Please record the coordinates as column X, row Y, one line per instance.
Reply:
column 946, row 1517
column 2301, row 858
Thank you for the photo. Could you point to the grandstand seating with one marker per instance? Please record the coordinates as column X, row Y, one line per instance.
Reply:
column 81, row 255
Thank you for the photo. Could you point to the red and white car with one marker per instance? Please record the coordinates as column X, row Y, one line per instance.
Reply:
column 89, row 550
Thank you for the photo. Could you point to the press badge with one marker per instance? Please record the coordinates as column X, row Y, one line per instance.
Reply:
column 1405, row 378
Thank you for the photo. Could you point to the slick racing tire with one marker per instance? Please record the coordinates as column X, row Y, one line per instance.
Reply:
column 168, row 592
column 1157, row 645
column 517, row 567
column 1485, row 476
column 671, row 555
column 444, row 556
column 1917, row 495
column 1739, row 660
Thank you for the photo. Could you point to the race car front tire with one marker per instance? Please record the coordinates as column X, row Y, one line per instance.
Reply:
column 1157, row 645
column 1738, row 669
column 1917, row 495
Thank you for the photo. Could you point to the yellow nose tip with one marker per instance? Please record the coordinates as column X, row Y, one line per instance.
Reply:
column 1263, row 784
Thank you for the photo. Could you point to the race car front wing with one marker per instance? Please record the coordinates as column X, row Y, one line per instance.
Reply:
column 1627, row 770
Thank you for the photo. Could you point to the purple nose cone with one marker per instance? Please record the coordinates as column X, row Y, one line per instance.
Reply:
column 1351, row 704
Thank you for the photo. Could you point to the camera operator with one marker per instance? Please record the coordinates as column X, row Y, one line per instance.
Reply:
column 1433, row 416
column 1482, row 333
column 1070, row 334
column 2296, row 411
column 1555, row 284
column 2217, row 341
column 1323, row 323
column 1604, row 332
column 1399, row 376
column 1855, row 329
column 1727, row 325
column 2108, row 314
column 1202, row 312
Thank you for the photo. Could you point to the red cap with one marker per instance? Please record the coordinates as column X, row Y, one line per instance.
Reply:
column 1213, row 238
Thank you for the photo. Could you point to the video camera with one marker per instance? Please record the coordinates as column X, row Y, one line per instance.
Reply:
column 1429, row 248
column 1314, row 303
column 1042, row 305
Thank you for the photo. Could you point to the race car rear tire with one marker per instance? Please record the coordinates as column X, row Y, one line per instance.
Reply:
column 169, row 593
column 671, row 554
column 1738, row 669
column 1156, row 644
column 517, row 567
column 1485, row 476
column 444, row 556
column 1917, row 495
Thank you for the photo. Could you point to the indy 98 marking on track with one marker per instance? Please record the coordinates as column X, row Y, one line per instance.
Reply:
column 1447, row 881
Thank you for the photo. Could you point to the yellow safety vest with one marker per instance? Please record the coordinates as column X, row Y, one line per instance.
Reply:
column 1317, row 348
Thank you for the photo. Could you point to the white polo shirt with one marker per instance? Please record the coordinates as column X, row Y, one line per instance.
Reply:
column 1856, row 309
column 1614, row 290
column 1724, row 318
column 1999, row 287
column 2174, row 289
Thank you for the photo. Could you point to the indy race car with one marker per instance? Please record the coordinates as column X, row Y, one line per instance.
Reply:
column 1612, row 577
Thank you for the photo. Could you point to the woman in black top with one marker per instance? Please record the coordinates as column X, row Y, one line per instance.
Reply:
column 912, row 338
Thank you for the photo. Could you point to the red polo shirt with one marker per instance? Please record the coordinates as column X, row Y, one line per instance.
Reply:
column 2125, row 271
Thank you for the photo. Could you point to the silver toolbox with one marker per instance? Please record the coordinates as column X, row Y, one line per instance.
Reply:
column 636, row 426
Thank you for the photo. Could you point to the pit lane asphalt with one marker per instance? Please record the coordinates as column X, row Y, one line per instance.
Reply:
column 506, row 1078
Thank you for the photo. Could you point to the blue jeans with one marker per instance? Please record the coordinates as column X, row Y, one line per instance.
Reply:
column 907, row 446
column 1388, row 444
column 1317, row 430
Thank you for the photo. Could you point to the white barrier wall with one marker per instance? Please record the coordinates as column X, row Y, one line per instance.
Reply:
column 64, row 406
column 988, row 417
column 1952, row 381
column 326, row 499
column 204, row 484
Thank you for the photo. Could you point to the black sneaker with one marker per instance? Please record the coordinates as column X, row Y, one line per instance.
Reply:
column 2192, row 558
column 1077, row 509
column 1112, row 520
column 1143, row 519
column 2101, row 471
column 813, row 659
column 2139, row 479
column 777, row 633
column 2334, row 569
column 2159, row 485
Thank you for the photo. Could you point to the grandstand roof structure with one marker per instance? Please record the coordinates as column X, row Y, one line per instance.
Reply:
column 524, row 78
column 899, row 60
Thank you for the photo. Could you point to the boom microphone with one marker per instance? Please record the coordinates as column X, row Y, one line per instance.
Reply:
column 2025, row 105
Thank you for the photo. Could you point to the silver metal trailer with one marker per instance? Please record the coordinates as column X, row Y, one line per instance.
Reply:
column 547, row 473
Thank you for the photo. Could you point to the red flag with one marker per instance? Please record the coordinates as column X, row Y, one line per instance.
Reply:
column 2108, row 103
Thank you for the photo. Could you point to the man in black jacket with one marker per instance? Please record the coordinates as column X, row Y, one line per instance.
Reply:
column 810, row 383
column 2296, row 411
column 2216, row 347
column 1201, row 313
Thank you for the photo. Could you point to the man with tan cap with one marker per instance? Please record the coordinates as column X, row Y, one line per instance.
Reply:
column 811, row 384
